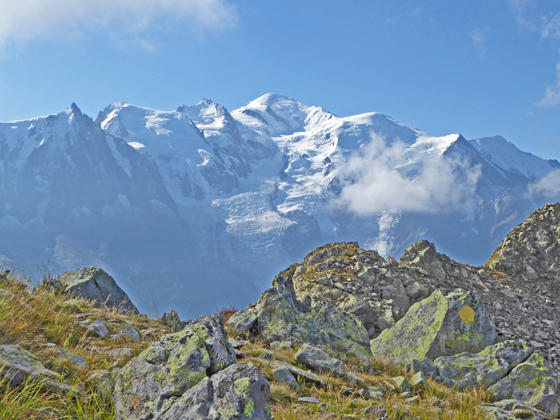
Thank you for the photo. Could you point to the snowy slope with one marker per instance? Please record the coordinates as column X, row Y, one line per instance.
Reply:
column 505, row 155
column 197, row 208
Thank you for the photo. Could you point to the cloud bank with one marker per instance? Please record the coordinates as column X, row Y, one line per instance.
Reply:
column 381, row 178
column 549, row 186
column 29, row 20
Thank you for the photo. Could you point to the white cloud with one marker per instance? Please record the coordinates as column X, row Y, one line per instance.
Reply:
column 30, row 20
column 478, row 38
column 549, row 186
column 550, row 27
column 552, row 93
column 381, row 178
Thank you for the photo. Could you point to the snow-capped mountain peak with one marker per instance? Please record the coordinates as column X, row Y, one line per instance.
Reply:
column 212, row 201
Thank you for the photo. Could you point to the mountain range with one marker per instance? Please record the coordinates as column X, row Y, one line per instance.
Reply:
column 198, row 208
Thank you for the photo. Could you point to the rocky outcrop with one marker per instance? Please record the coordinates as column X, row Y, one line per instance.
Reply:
column 468, row 370
column 279, row 316
column 94, row 284
column 359, row 282
column 238, row 392
column 318, row 360
column 379, row 292
column 18, row 366
column 436, row 326
column 532, row 383
column 531, row 251
column 189, row 373
column 511, row 410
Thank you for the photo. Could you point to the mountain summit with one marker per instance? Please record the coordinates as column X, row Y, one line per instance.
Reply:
column 198, row 207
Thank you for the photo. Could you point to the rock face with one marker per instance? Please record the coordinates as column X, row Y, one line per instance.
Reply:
column 237, row 392
column 379, row 292
column 510, row 410
column 436, row 326
column 465, row 370
column 98, row 329
column 318, row 360
column 531, row 251
column 279, row 315
column 95, row 284
column 359, row 282
column 532, row 383
column 186, row 373
column 18, row 365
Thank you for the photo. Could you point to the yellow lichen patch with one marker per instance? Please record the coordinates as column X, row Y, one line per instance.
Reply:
column 467, row 314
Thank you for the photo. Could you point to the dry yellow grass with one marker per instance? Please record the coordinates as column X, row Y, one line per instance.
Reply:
column 34, row 320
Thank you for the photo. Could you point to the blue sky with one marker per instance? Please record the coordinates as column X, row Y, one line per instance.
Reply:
column 480, row 68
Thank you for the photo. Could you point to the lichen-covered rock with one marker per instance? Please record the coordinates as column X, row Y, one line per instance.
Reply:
column 238, row 392
column 359, row 282
column 102, row 382
column 304, row 375
column 18, row 365
column 94, row 284
column 319, row 361
column 172, row 320
column 284, row 376
column 401, row 384
column 280, row 316
column 419, row 382
column 532, row 249
column 511, row 410
column 148, row 384
column 425, row 366
column 436, row 326
column 466, row 370
column 532, row 383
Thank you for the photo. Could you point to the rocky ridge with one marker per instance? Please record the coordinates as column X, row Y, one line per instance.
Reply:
column 345, row 332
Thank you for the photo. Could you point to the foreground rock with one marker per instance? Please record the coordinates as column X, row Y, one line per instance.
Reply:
column 94, row 284
column 468, row 370
column 532, row 383
column 19, row 366
column 237, row 392
column 188, row 373
column 304, row 375
column 318, row 360
column 510, row 410
column 436, row 326
column 280, row 316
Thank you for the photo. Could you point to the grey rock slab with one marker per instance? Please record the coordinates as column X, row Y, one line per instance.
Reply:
column 419, row 382
column 18, row 365
column 300, row 373
column 98, row 329
column 401, row 384
column 511, row 410
column 94, row 284
column 284, row 376
column 121, row 353
column 309, row 400
column 426, row 366
column 128, row 333
column 467, row 370
column 238, row 392
column 439, row 325
column 71, row 358
column 150, row 383
column 532, row 383
column 318, row 360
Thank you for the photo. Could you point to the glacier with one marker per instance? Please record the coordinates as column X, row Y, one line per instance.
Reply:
column 197, row 208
